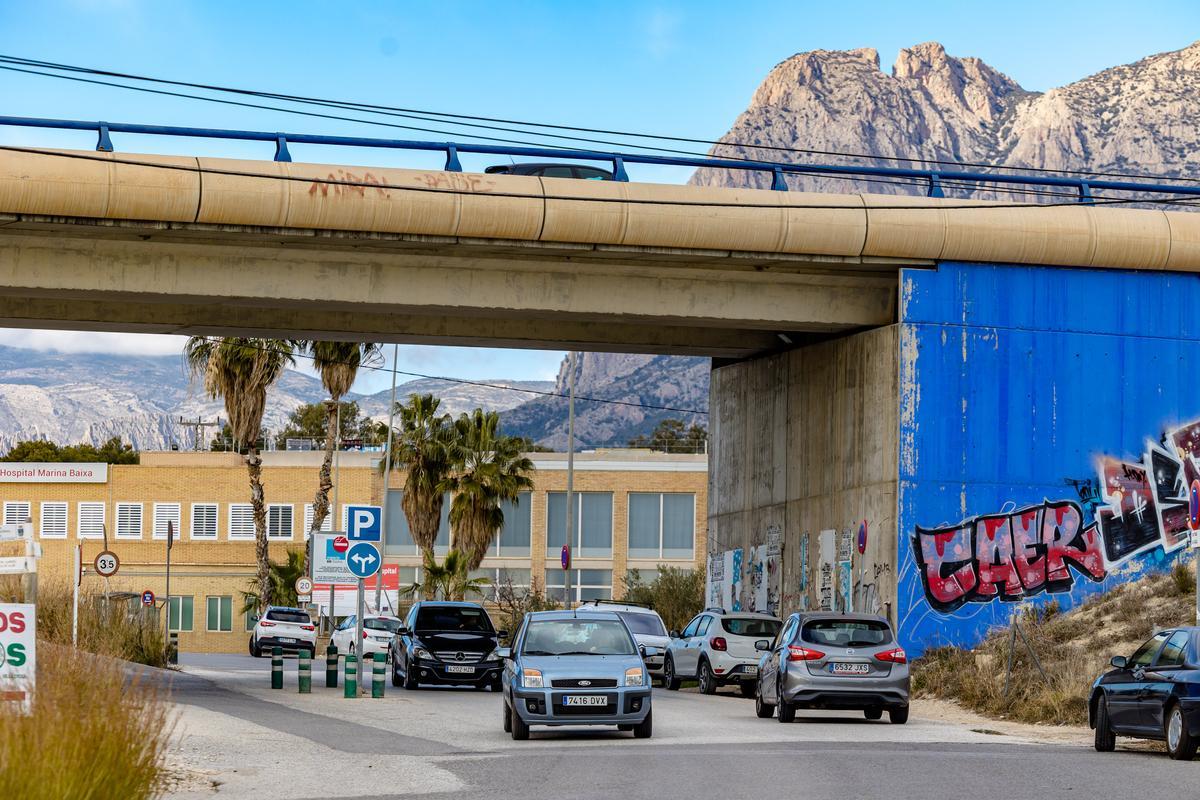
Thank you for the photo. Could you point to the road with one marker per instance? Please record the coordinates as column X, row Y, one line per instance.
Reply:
column 237, row 738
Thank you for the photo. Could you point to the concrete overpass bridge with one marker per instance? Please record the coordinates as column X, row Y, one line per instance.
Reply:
column 890, row 370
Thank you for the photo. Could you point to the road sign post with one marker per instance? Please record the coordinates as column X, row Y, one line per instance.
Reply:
column 364, row 561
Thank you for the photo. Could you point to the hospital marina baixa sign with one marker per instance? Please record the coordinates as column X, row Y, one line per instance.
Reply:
column 51, row 472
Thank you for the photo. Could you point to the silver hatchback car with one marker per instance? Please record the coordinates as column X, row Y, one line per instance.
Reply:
column 834, row 661
column 577, row 667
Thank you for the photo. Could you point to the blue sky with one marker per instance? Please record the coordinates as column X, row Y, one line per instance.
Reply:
column 671, row 67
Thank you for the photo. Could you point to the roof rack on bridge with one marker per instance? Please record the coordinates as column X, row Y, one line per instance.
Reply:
column 935, row 179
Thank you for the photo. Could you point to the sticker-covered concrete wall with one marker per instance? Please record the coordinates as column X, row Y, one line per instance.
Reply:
column 1049, row 443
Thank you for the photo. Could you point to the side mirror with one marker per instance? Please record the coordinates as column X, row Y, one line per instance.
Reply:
column 650, row 652
column 501, row 634
column 1120, row 662
column 762, row 644
column 401, row 631
column 504, row 653
column 674, row 634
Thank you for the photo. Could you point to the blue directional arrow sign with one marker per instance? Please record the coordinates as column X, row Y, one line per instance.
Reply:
column 363, row 559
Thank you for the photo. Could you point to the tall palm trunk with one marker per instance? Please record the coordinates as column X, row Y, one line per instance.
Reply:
column 258, row 502
column 325, row 482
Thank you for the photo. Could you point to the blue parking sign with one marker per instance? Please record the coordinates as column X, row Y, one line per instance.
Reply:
column 364, row 523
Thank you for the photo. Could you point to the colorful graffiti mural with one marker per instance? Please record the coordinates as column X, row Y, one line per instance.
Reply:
column 1140, row 506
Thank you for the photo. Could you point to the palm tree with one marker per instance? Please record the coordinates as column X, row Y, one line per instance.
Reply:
column 489, row 470
column 424, row 448
column 283, row 583
column 337, row 363
column 239, row 371
column 450, row 580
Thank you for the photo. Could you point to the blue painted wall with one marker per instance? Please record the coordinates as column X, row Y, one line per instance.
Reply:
column 1016, row 381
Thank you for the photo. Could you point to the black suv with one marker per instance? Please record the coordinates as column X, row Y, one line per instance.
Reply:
column 552, row 171
column 447, row 643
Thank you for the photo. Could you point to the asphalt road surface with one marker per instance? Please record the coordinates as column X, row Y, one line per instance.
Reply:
column 238, row 738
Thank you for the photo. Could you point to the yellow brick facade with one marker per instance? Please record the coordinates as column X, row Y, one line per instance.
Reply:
column 221, row 567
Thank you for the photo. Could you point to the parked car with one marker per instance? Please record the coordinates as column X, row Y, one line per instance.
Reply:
column 552, row 170
column 834, row 661
column 378, row 631
column 1152, row 694
column 281, row 626
column 717, row 648
column 446, row 643
column 646, row 626
column 578, row 667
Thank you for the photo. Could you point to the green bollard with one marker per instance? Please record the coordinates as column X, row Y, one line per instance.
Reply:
column 276, row 667
column 331, row 666
column 378, row 670
column 304, row 670
column 351, row 682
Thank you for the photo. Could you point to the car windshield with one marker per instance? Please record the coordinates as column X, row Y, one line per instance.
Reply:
column 846, row 632
column 577, row 637
column 288, row 615
column 382, row 624
column 453, row 618
column 638, row 622
column 751, row 626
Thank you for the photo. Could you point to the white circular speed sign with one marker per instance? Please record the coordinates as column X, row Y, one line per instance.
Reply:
column 106, row 563
column 303, row 585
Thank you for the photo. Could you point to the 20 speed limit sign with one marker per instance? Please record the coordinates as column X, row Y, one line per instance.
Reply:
column 106, row 563
column 303, row 585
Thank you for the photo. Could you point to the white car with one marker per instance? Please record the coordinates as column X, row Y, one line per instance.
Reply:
column 378, row 630
column 717, row 648
column 646, row 626
column 280, row 626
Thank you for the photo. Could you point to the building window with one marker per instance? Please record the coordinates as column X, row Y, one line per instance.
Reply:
column 241, row 521
column 204, row 520
column 496, row 577
column 662, row 525
column 326, row 524
column 279, row 521
column 586, row 584
column 54, row 520
column 220, row 613
column 593, row 524
column 398, row 538
column 164, row 513
column 90, row 520
column 180, row 613
column 250, row 619
column 129, row 520
column 16, row 512
column 513, row 539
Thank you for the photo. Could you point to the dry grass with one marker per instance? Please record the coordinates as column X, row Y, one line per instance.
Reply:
column 93, row 733
column 1073, row 649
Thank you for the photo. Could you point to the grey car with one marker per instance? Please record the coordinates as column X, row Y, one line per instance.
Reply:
column 834, row 661
column 575, row 668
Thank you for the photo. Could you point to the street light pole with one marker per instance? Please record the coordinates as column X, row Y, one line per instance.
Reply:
column 387, row 471
column 570, row 477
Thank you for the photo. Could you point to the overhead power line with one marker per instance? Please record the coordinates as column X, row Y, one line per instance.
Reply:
column 477, row 121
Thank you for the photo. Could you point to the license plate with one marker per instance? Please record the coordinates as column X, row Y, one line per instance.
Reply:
column 286, row 639
column 850, row 669
column 750, row 669
column 459, row 668
column 585, row 700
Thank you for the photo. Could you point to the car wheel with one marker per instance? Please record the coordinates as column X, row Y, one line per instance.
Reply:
column 1180, row 745
column 873, row 713
column 787, row 711
column 898, row 716
column 520, row 731
column 497, row 685
column 708, row 682
column 670, row 679
column 747, row 689
column 762, row 709
column 410, row 680
column 507, row 718
column 645, row 728
column 1106, row 740
column 255, row 650
column 395, row 677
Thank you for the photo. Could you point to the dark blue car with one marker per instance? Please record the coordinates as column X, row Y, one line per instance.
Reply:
column 1153, row 694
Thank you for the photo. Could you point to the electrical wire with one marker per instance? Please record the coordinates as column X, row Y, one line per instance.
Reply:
column 475, row 120
column 1186, row 199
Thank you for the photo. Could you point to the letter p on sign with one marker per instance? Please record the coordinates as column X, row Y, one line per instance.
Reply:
column 365, row 523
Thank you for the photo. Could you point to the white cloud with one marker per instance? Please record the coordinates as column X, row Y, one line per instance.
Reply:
column 134, row 344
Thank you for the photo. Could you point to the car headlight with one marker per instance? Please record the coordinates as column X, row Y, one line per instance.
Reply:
column 491, row 656
column 422, row 653
column 635, row 676
column 531, row 678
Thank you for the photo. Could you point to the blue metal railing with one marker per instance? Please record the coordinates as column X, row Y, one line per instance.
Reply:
column 933, row 179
